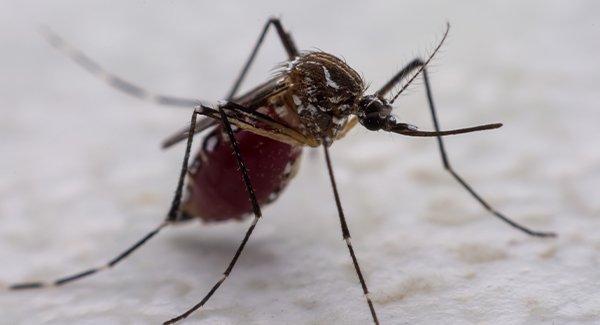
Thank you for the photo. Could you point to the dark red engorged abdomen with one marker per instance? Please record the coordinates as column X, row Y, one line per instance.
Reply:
column 216, row 191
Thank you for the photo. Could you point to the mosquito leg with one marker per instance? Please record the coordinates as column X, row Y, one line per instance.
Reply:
column 346, row 235
column 286, row 40
column 403, row 73
column 462, row 182
column 257, row 216
column 114, row 81
column 292, row 52
column 420, row 64
column 171, row 218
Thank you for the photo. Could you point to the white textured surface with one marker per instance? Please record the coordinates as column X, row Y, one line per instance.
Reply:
column 81, row 175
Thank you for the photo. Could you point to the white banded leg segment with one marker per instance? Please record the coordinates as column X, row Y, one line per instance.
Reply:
column 86, row 273
column 114, row 81
column 255, row 209
column 346, row 234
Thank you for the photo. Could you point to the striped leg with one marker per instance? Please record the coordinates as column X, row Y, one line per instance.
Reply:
column 420, row 67
column 346, row 236
column 112, row 80
column 286, row 40
column 257, row 216
column 463, row 183
column 172, row 217
column 292, row 52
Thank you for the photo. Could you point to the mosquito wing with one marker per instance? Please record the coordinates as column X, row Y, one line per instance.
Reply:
column 251, row 100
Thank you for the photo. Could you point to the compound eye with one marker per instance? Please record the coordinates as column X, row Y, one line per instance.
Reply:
column 373, row 121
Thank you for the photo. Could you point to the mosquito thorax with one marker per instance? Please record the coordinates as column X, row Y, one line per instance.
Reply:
column 374, row 113
column 324, row 91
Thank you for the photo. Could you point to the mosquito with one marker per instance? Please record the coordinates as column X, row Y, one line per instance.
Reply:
column 254, row 141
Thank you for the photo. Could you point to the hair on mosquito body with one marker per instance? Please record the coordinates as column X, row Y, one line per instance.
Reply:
column 253, row 142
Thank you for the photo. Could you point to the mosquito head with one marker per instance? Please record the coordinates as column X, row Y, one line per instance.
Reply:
column 375, row 113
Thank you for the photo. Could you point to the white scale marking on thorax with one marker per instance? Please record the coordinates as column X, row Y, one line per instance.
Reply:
column 330, row 82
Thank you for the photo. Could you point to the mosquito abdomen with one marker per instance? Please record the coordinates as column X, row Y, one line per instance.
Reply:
column 216, row 190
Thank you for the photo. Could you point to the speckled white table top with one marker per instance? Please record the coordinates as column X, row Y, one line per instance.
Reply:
column 82, row 176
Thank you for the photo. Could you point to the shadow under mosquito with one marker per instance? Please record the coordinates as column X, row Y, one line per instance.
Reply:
column 211, row 253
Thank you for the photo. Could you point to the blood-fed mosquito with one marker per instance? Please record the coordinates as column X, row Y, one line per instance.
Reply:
column 254, row 141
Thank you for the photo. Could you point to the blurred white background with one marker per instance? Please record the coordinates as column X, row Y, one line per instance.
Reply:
column 82, row 176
